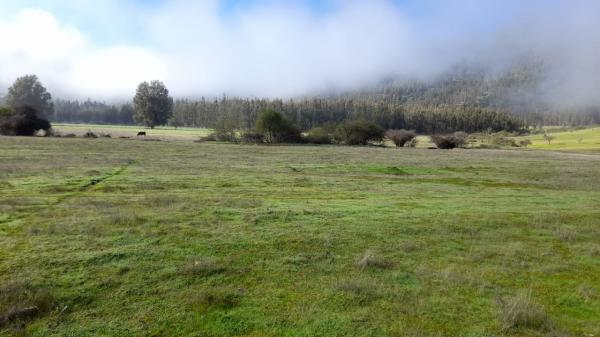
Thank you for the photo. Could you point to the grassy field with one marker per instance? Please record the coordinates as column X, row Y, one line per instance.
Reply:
column 163, row 132
column 121, row 237
column 584, row 140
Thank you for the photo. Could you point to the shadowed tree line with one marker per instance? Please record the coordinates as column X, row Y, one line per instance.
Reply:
column 467, row 98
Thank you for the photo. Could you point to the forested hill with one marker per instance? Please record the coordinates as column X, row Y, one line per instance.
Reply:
column 521, row 90
column 467, row 98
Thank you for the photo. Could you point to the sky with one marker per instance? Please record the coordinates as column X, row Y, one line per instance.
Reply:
column 103, row 49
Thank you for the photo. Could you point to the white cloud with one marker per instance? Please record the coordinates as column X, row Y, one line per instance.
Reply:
column 34, row 42
column 282, row 48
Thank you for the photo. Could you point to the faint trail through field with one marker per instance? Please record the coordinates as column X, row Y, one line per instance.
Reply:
column 75, row 193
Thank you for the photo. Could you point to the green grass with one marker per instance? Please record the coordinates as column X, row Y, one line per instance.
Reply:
column 116, row 131
column 175, row 238
column 584, row 140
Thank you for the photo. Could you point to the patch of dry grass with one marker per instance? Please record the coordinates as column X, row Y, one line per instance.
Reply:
column 521, row 311
column 372, row 261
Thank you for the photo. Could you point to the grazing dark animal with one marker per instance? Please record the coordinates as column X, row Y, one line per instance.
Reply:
column 141, row 134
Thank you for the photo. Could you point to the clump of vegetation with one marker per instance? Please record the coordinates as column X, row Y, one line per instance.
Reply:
column 319, row 135
column 222, row 298
column 225, row 131
column 358, row 132
column 28, row 91
column 587, row 293
column 363, row 290
column 203, row 267
column 565, row 234
column 251, row 137
column 521, row 311
column 548, row 138
column 500, row 140
column 22, row 121
column 275, row 128
column 21, row 301
column 369, row 260
column 525, row 143
column 401, row 137
column 452, row 141
column 152, row 104
column 90, row 134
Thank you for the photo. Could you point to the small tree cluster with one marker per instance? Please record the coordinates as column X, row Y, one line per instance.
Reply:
column 29, row 91
column 319, row 135
column 452, row 141
column 277, row 129
column 358, row 132
column 22, row 121
column 401, row 137
column 28, row 105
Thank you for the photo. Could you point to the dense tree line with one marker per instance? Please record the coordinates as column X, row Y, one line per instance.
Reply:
column 91, row 112
column 467, row 98
column 309, row 113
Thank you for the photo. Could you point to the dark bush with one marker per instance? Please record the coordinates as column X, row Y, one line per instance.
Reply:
column 252, row 137
column 90, row 134
column 22, row 121
column 208, row 138
column 400, row 137
column 318, row 135
column 525, row 143
column 220, row 137
column 275, row 128
column 358, row 133
column 447, row 142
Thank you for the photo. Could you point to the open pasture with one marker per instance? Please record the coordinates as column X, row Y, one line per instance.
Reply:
column 116, row 131
column 172, row 238
column 576, row 140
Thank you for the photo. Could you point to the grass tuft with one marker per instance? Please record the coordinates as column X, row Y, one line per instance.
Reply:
column 221, row 298
column 372, row 261
column 203, row 267
column 521, row 311
column 362, row 290
column 566, row 234
column 21, row 302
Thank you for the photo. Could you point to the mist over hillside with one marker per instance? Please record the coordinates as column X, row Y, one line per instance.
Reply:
column 290, row 48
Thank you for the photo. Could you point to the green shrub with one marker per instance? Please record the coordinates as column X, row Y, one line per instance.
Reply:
column 250, row 137
column 225, row 131
column 500, row 140
column 319, row 135
column 358, row 132
column 525, row 143
column 219, row 136
column 275, row 128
